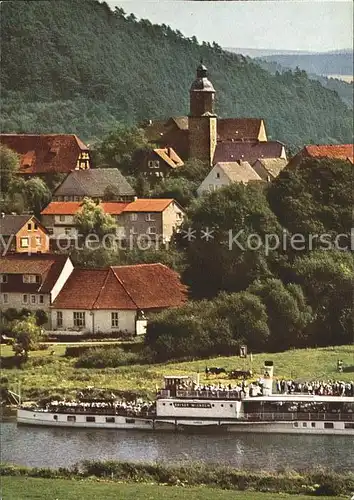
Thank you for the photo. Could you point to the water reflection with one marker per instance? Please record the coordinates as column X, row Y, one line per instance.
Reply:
column 55, row 447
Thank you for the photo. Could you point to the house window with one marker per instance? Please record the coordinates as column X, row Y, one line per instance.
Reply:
column 133, row 230
column 5, row 298
column 59, row 318
column 217, row 175
column 313, row 424
column 71, row 418
column 328, row 425
column 30, row 278
column 29, row 226
column 211, row 187
column 62, row 218
column 114, row 320
column 35, row 226
column 79, row 319
column 66, row 198
column 151, row 230
column 24, row 242
column 3, row 278
column 25, row 298
column 179, row 215
column 150, row 217
column 33, row 299
column 154, row 163
column 41, row 299
column 110, row 420
column 90, row 419
column 133, row 217
column 67, row 230
column 38, row 240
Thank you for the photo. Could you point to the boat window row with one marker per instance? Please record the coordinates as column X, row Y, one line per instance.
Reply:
column 326, row 425
column 90, row 419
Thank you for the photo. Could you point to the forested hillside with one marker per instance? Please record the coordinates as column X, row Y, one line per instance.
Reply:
column 75, row 66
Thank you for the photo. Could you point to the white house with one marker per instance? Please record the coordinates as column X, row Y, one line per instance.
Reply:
column 115, row 300
column 225, row 173
column 32, row 282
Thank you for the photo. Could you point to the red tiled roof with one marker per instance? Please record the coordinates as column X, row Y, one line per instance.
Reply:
column 62, row 208
column 148, row 205
column 42, row 154
column 113, row 207
column 48, row 266
column 340, row 151
column 152, row 286
column 143, row 286
column 71, row 207
column 81, row 289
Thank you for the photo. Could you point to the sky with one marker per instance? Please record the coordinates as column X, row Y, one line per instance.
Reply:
column 313, row 25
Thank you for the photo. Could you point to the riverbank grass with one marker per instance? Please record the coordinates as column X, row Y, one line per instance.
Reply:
column 29, row 488
column 45, row 374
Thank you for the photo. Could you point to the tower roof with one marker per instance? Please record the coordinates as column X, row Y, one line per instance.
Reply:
column 201, row 83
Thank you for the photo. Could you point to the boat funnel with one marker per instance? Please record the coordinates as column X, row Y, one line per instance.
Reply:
column 268, row 378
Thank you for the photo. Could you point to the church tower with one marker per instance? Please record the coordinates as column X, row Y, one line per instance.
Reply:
column 202, row 120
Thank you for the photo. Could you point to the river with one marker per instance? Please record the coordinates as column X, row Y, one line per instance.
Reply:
column 60, row 447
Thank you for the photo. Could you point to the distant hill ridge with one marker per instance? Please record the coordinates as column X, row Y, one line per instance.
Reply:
column 77, row 67
column 336, row 62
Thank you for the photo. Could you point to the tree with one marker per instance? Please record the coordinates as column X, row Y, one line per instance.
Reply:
column 287, row 310
column 37, row 195
column 27, row 335
column 91, row 219
column 246, row 317
column 227, row 230
column 124, row 148
column 327, row 278
column 209, row 327
column 9, row 165
column 316, row 197
column 192, row 170
column 180, row 189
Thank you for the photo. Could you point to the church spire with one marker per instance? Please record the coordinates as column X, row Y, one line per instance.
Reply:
column 201, row 93
column 202, row 121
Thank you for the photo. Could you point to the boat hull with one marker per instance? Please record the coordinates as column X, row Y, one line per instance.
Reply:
column 99, row 421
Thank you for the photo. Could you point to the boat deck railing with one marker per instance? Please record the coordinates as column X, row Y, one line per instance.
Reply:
column 79, row 410
column 306, row 416
column 217, row 394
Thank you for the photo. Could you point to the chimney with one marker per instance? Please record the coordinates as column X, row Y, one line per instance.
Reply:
column 135, row 198
column 2, row 215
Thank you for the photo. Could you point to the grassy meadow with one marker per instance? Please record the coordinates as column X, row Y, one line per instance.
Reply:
column 49, row 373
column 28, row 488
